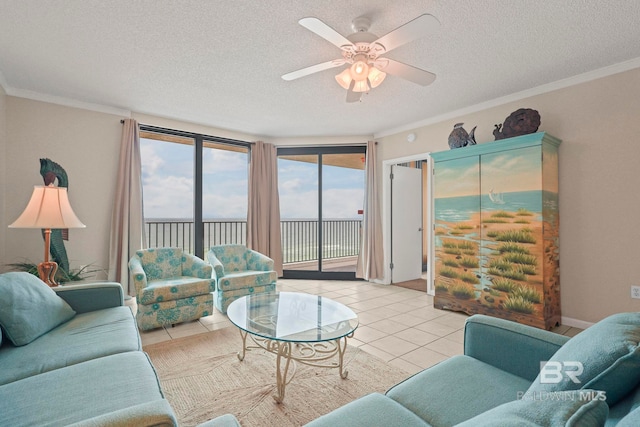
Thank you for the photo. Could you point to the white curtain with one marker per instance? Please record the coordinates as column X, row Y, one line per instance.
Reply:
column 371, row 258
column 263, row 216
column 127, row 218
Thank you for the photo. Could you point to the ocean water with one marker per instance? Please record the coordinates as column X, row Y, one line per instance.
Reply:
column 452, row 209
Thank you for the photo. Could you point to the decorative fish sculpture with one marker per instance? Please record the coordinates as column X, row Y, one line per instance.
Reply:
column 460, row 138
column 521, row 122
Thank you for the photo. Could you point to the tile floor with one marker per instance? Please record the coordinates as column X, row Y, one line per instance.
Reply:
column 398, row 325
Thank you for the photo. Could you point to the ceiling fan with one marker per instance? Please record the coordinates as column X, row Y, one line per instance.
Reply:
column 363, row 52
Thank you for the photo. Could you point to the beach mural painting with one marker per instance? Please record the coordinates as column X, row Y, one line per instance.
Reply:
column 496, row 230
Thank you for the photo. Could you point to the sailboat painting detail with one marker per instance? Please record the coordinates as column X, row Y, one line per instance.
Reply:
column 496, row 197
column 496, row 231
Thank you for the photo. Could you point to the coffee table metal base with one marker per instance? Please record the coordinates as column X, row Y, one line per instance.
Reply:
column 317, row 354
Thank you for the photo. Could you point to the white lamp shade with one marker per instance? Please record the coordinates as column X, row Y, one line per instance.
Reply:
column 376, row 77
column 48, row 208
column 344, row 78
column 361, row 86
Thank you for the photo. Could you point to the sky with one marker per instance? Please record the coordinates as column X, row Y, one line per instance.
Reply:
column 504, row 172
column 167, row 179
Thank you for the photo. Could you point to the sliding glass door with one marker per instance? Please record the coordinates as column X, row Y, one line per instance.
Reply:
column 321, row 201
column 299, row 215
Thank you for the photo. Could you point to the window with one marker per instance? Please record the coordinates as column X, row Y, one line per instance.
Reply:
column 193, row 185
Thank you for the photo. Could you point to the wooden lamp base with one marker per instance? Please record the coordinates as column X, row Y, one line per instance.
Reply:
column 47, row 271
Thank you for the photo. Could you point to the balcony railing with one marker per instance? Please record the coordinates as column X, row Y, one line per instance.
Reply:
column 341, row 237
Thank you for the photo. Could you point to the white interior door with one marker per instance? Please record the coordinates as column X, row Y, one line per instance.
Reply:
column 406, row 224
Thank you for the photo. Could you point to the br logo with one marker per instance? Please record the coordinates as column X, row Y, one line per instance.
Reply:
column 553, row 372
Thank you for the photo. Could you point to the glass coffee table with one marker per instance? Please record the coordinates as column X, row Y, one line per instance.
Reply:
column 297, row 327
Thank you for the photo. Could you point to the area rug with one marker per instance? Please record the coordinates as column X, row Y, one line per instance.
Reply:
column 202, row 378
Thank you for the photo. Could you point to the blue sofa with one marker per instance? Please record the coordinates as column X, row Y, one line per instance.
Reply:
column 592, row 379
column 73, row 356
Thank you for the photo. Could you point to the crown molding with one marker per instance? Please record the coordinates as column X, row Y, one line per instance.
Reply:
column 539, row 90
column 67, row 102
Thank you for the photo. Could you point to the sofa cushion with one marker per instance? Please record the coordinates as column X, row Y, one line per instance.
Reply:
column 85, row 337
column 157, row 413
column 92, row 296
column 246, row 279
column 620, row 410
column 29, row 308
column 510, row 346
column 82, row 391
column 457, row 389
column 583, row 408
column 609, row 354
column 175, row 288
column 371, row 410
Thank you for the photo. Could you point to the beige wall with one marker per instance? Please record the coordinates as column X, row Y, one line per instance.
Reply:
column 599, row 123
column 3, row 156
column 85, row 144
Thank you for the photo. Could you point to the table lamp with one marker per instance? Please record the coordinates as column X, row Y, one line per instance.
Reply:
column 48, row 208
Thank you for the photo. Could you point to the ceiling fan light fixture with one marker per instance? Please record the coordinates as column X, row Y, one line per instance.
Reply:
column 376, row 77
column 359, row 71
column 363, row 51
column 344, row 78
column 361, row 86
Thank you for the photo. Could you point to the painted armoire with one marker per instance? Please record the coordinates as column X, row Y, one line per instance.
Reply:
column 496, row 224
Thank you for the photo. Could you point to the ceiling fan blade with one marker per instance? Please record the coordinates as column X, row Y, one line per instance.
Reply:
column 407, row 72
column 313, row 69
column 422, row 26
column 326, row 32
column 351, row 95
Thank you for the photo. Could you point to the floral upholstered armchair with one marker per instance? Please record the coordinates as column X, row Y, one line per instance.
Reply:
column 239, row 271
column 171, row 287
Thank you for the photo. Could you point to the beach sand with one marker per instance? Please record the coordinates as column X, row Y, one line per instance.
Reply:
column 472, row 241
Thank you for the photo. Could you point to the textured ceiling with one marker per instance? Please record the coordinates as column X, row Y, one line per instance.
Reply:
column 219, row 62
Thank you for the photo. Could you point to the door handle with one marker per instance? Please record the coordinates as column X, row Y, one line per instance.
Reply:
column 420, row 229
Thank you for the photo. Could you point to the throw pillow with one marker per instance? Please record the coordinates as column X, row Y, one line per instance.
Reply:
column 583, row 408
column 605, row 356
column 29, row 308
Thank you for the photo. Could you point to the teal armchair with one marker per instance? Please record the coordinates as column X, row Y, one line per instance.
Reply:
column 171, row 287
column 239, row 271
